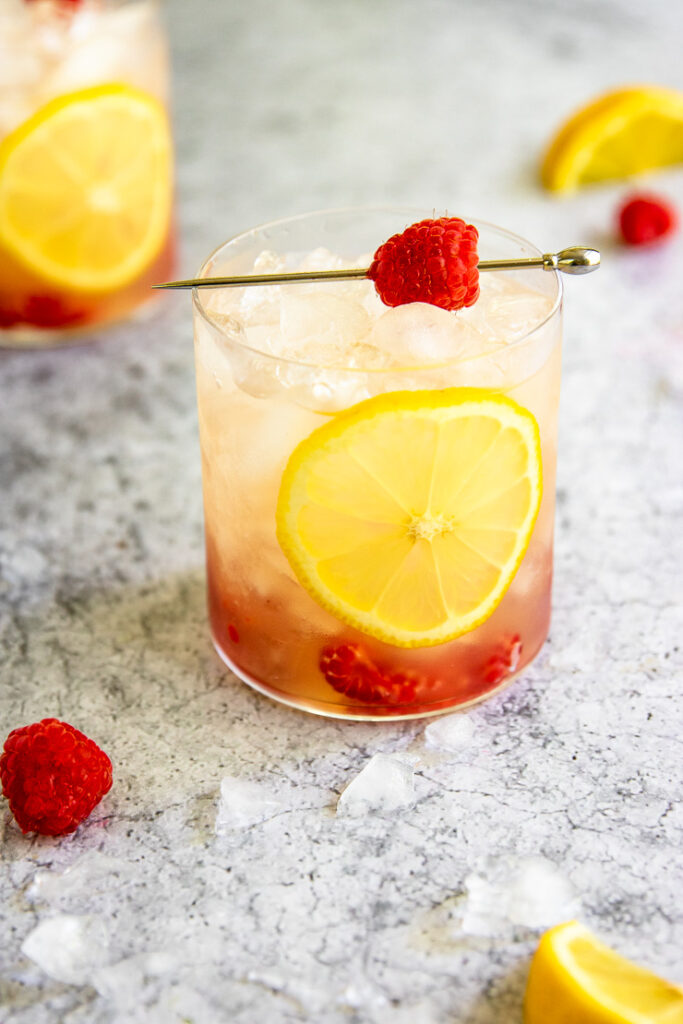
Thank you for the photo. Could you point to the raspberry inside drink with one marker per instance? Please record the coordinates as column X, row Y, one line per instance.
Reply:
column 85, row 164
column 296, row 385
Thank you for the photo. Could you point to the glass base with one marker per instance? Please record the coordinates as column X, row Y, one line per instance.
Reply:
column 28, row 337
column 358, row 714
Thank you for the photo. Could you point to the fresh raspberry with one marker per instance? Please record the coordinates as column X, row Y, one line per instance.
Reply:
column 505, row 662
column 349, row 670
column 9, row 317
column 53, row 776
column 434, row 261
column 47, row 311
column 644, row 218
column 42, row 311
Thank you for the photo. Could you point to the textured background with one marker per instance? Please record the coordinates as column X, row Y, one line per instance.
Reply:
column 281, row 108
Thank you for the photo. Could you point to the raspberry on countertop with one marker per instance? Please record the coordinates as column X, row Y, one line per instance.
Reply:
column 644, row 217
column 53, row 776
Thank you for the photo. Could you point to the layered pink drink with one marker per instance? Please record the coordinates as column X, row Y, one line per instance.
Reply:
column 282, row 372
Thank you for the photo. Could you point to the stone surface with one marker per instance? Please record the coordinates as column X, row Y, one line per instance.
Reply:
column 305, row 916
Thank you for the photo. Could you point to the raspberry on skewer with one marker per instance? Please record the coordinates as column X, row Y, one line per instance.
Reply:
column 433, row 261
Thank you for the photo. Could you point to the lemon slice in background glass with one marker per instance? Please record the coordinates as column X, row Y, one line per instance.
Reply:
column 85, row 188
column 575, row 978
column 617, row 135
column 408, row 515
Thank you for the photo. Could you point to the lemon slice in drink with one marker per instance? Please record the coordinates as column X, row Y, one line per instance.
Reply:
column 407, row 516
column 574, row 977
column 617, row 135
column 85, row 188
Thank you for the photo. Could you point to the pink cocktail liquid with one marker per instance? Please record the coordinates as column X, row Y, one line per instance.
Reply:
column 273, row 364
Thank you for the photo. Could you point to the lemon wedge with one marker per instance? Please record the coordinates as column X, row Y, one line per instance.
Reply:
column 618, row 135
column 408, row 515
column 574, row 978
column 85, row 188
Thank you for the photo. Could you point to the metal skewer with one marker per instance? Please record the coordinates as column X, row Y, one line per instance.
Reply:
column 575, row 260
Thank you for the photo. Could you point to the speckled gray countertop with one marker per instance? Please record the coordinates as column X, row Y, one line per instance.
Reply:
column 567, row 784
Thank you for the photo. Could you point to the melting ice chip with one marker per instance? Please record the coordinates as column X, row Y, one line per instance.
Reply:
column 532, row 894
column 243, row 803
column 91, row 872
column 125, row 983
column 362, row 994
column 450, row 733
column 385, row 784
column 540, row 896
column 69, row 948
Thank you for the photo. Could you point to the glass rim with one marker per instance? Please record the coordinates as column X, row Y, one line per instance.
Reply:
column 523, row 339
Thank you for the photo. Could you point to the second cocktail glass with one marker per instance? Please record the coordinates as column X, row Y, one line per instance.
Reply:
column 377, row 543
column 86, row 166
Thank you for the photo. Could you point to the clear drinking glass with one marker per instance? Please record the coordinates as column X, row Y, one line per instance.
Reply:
column 86, row 164
column 275, row 363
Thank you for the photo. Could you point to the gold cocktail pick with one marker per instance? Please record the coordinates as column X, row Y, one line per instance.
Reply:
column 575, row 260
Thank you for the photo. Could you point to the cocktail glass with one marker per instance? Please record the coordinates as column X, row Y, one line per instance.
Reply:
column 85, row 164
column 275, row 363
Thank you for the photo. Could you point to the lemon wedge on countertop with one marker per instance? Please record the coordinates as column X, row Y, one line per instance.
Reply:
column 575, row 979
column 620, row 134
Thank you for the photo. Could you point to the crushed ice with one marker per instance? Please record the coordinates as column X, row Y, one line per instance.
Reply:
column 322, row 321
column 453, row 733
column 531, row 893
column 386, row 784
column 243, row 803
column 122, row 984
column 68, row 947
column 91, row 871
column 418, row 333
column 277, row 333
